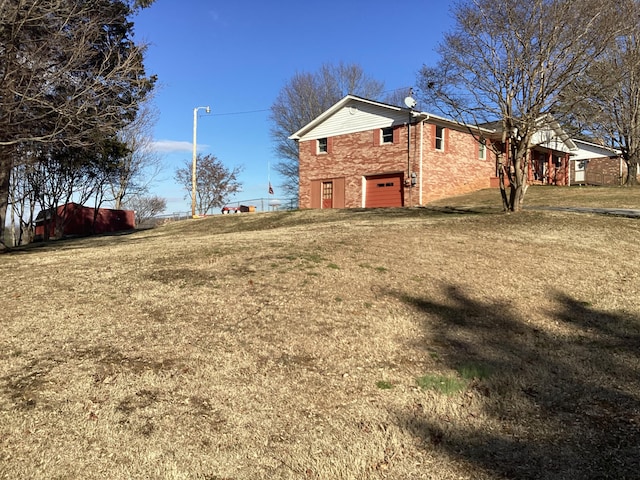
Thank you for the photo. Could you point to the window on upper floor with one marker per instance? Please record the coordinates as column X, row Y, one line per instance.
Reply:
column 386, row 135
column 323, row 145
column 482, row 149
column 439, row 143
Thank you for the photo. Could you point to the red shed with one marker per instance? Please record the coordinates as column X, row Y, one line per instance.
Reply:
column 73, row 219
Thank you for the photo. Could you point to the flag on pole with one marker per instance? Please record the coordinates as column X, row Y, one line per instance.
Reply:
column 270, row 189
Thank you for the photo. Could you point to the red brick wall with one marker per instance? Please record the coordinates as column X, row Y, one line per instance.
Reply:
column 454, row 171
column 605, row 171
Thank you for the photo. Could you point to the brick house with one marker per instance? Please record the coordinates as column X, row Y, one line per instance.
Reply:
column 595, row 164
column 363, row 153
column 549, row 156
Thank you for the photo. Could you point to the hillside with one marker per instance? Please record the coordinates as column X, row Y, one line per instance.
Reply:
column 433, row 343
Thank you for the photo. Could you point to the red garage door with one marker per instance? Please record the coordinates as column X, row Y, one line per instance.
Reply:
column 384, row 191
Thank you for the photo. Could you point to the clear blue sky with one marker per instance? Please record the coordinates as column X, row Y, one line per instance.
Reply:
column 236, row 56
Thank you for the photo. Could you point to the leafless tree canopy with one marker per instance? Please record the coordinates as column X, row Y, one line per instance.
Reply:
column 511, row 61
column 302, row 99
column 70, row 72
column 68, row 67
column 215, row 182
column 604, row 102
column 140, row 165
column 146, row 207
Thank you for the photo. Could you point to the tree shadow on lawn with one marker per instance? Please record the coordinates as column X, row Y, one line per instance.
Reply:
column 559, row 403
column 78, row 242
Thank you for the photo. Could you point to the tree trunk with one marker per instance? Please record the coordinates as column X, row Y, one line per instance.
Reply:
column 5, row 174
column 503, row 189
column 518, row 180
column 632, row 173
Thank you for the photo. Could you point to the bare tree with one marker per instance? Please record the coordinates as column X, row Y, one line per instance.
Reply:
column 141, row 164
column 303, row 98
column 23, row 204
column 215, row 183
column 511, row 61
column 69, row 70
column 608, row 109
column 146, row 208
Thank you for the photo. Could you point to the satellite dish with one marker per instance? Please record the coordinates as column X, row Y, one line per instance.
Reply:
column 410, row 102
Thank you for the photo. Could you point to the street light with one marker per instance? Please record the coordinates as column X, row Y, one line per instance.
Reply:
column 193, row 166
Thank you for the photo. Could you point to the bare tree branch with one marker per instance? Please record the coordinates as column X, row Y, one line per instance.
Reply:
column 215, row 182
column 70, row 72
column 302, row 99
column 511, row 61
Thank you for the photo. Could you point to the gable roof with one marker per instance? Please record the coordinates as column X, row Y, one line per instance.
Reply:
column 589, row 150
column 549, row 134
column 352, row 114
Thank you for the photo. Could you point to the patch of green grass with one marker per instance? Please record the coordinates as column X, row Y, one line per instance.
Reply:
column 384, row 385
column 472, row 371
column 378, row 269
column 313, row 257
column 307, row 257
column 368, row 304
column 334, row 266
column 447, row 385
column 338, row 299
column 434, row 355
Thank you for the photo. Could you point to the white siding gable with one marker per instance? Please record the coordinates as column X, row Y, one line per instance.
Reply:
column 357, row 117
column 547, row 137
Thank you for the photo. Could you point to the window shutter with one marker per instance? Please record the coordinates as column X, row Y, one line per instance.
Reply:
column 329, row 145
column 338, row 193
column 433, row 136
column 446, row 140
column 396, row 135
column 316, row 193
column 377, row 133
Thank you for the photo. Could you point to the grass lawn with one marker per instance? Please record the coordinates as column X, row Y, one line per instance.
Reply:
column 450, row 342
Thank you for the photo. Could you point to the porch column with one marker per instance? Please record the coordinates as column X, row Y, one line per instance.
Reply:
column 531, row 167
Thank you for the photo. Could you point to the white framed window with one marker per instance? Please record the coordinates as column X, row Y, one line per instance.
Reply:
column 323, row 145
column 482, row 149
column 386, row 135
column 439, row 143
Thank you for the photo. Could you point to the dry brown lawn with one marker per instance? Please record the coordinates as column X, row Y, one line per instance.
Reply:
column 293, row 345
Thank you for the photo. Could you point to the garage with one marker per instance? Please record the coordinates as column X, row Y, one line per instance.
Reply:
column 384, row 191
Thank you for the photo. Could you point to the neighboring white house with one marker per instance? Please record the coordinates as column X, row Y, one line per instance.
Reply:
column 597, row 165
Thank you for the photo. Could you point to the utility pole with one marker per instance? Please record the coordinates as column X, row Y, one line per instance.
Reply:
column 193, row 166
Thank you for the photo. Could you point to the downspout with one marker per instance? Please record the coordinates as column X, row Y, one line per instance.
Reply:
column 409, row 161
column 621, row 175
